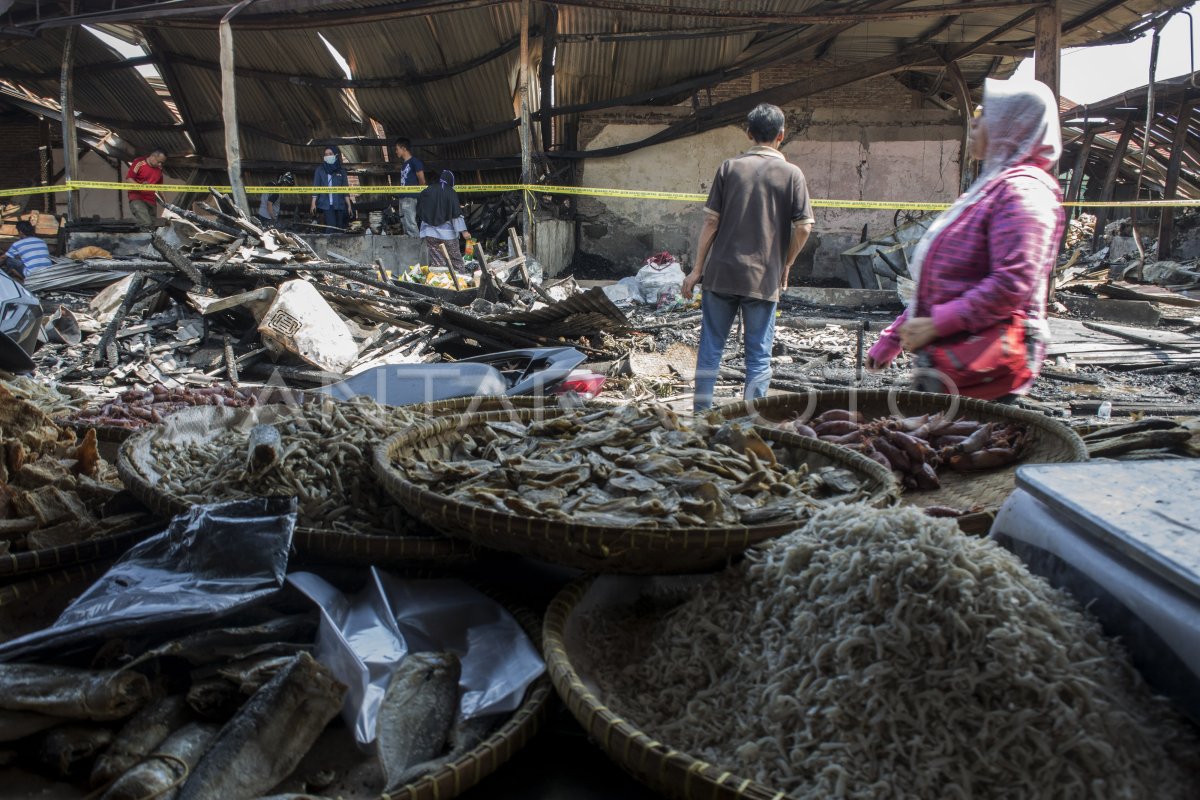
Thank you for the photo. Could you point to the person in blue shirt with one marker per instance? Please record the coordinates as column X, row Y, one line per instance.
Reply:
column 27, row 254
column 335, row 206
column 412, row 173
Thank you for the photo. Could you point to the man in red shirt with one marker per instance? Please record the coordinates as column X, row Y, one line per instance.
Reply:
column 146, row 171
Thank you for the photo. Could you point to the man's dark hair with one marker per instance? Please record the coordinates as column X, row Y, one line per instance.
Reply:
column 403, row 142
column 157, row 151
column 24, row 228
column 765, row 122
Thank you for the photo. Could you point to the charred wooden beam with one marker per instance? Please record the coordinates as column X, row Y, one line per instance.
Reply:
column 546, row 73
column 177, row 259
column 1166, row 221
column 69, row 133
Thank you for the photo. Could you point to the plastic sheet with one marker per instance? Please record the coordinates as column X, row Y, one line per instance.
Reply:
column 363, row 638
column 210, row 562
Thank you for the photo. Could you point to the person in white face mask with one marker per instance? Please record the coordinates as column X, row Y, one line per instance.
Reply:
column 336, row 207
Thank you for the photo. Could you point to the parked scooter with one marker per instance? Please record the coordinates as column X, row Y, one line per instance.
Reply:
column 540, row 371
column 20, row 314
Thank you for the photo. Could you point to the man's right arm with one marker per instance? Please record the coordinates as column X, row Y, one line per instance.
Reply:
column 708, row 233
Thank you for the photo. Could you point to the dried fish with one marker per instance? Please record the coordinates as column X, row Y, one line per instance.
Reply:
column 72, row 693
column 324, row 461
column 884, row 653
column 633, row 466
column 161, row 773
column 143, row 732
column 265, row 741
column 16, row 725
column 65, row 749
column 221, row 644
column 416, row 715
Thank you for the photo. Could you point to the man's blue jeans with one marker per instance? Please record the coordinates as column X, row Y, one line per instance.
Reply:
column 718, row 314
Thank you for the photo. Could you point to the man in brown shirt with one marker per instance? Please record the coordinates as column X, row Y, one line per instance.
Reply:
column 757, row 218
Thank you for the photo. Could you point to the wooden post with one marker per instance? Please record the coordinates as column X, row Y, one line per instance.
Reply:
column 1110, row 176
column 233, row 144
column 526, row 129
column 1166, row 221
column 1081, row 159
column 963, row 94
column 69, row 134
column 1047, row 50
column 546, row 73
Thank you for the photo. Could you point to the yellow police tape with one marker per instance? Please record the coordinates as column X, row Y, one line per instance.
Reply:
column 583, row 191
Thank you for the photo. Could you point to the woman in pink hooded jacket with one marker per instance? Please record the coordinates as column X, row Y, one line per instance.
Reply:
column 977, row 320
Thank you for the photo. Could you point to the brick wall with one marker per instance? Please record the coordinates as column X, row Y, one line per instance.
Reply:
column 22, row 136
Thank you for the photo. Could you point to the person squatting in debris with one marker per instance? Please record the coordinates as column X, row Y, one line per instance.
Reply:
column 146, row 171
column 757, row 218
column 977, row 320
column 335, row 207
column 27, row 254
column 268, row 205
column 412, row 173
column 441, row 222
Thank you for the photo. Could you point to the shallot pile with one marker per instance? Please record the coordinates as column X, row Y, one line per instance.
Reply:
column 881, row 653
column 138, row 408
column 916, row 447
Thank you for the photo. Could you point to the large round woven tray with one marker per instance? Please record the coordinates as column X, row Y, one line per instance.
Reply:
column 1051, row 442
column 14, row 565
column 596, row 547
column 658, row 765
column 136, row 472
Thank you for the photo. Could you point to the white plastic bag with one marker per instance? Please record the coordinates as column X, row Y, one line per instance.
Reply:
column 303, row 323
column 660, row 280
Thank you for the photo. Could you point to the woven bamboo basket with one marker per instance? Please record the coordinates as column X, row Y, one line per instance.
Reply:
column 597, row 547
column 34, row 603
column 136, row 472
column 1052, row 442
column 14, row 565
column 656, row 764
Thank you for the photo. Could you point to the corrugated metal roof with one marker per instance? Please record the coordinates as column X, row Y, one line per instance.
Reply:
column 99, row 95
column 279, row 115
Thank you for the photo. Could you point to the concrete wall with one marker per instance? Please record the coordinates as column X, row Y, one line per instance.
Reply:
column 846, row 154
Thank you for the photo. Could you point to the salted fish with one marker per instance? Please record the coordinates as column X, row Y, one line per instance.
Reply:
column 143, row 732
column 16, row 725
column 64, row 749
column 159, row 774
column 416, row 715
column 72, row 693
column 266, row 739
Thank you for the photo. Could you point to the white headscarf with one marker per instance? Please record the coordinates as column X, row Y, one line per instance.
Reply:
column 1021, row 120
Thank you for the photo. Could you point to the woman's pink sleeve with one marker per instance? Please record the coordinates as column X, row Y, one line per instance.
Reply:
column 888, row 346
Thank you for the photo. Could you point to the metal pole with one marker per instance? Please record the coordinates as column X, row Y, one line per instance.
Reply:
column 69, row 134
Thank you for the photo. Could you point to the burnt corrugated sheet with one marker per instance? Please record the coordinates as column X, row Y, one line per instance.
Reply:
column 580, row 314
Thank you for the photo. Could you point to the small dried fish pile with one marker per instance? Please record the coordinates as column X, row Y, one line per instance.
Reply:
column 324, row 461
column 52, row 400
column 136, row 408
column 881, row 653
column 54, row 488
column 633, row 466
column 916, row 447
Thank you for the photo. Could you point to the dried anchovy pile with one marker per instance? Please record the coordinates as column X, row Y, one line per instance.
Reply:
column 138, row 408
column 881, row 653
column 325, row 462
column 916, row 447
column 633, row 466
